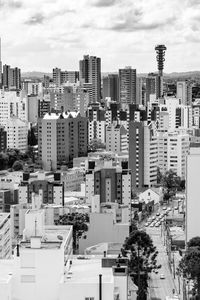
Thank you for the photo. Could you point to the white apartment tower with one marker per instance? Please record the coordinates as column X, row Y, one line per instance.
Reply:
column 173, row 148
column 116, row 138
column 184, row 92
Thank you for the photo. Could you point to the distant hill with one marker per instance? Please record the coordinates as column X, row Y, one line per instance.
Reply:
column 194, row 74
column 35, row 74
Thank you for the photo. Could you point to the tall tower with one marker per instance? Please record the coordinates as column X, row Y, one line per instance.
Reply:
column 160, row 51
column 90, row 72
column 0, row 66
column 127, row 85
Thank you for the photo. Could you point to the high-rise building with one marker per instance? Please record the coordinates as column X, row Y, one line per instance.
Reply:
column 3, row 139
column 61, row 137
column 116, row 138
column 150, row 85
column 184, row 92
column 17, row 134
column 11, row 78
column 0, row 67
column 49, row 191
column 96, row 122
column 60, row 77
column 90, row 72
column 143, row 154
column 127, row 85
column 13, row 105
column 192, row 194
column 111, row 87
column 111, row 183
column 173, row 148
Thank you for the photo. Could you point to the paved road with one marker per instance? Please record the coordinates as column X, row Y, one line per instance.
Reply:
column 160, row 288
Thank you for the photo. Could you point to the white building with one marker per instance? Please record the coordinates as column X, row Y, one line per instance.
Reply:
column 184, row 92
column 173, row 148
column 116, row 138
column 13, row 105
column 72, row 179
column 17, row 134
column 43, row 268
column 192, row 194
column 179, row 115
column 150, row 155
column 5, row 236
column 151, row 194
column 104, row 227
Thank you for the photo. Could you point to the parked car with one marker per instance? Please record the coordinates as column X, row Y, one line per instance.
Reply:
column 162, row 276
column 164, row 207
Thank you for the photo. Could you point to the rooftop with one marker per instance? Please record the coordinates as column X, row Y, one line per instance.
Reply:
column 6, row 270
column 86, row 270
column 65, row 115
column 53, row 237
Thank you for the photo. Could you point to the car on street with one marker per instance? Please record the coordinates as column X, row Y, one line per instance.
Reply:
column 158, row 214
column 162, row 276
column 176, row 207
column 164, row 208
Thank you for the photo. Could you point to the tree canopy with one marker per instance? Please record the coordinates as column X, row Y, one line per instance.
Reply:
column 189, row 265
column 96, row 144
column 79, row 222
column 142, row 259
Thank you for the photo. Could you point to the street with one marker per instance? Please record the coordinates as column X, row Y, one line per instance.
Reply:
column 160, row 288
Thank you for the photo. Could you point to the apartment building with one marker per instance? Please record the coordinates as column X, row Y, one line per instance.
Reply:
column 116, row 138
column 143, row 154
column 61, row 137
column 173, row 148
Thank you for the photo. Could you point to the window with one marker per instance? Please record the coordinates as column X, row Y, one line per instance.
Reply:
column 89, row 298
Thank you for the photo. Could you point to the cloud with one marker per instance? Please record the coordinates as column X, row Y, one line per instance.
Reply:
column 193, row 2
column 11, row 4
column 35, row 19
column 103, row 3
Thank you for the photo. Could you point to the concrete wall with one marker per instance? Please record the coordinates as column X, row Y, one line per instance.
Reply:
column 102, row 229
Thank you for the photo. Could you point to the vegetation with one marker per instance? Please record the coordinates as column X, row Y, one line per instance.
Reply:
column 189, row 266
column 170, row 182
column 8, row 159
column 96, row 144
column 79, row 222
column 32, row 140
column 142, row 259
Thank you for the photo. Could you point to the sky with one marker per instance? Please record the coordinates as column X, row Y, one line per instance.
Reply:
column 38, row 35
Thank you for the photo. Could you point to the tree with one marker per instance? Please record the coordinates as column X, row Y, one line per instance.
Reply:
column 95, row 144
column 189, row 266
column 3, row 161
column 32, row 140
column 18, row 165
column 79, row 222
column 142, row 259
column 170, row 181
column 159, row 175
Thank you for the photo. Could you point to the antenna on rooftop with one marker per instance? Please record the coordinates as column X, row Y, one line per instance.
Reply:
column 35, row 226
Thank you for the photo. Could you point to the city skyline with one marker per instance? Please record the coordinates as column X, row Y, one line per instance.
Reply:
column 39, row 35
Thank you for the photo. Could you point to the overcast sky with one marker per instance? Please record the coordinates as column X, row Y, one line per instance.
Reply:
column 38, row 35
